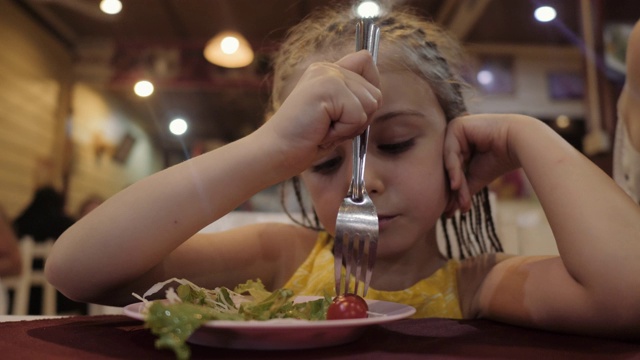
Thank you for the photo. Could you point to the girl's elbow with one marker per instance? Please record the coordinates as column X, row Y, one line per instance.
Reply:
column 619, row 316
column 58, row 275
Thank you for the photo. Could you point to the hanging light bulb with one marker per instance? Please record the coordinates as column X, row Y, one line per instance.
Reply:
column 143, row 88
column 229, row 49
column 111, row 7
column 368, row 9
column 545, row 13
column 178, row 126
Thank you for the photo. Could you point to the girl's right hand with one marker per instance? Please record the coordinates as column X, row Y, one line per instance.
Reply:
column 331, row 103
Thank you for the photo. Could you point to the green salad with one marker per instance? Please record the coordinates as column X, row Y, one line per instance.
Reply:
column 189, row 306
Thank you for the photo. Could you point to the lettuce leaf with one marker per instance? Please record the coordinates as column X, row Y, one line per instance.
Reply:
column 189, row 306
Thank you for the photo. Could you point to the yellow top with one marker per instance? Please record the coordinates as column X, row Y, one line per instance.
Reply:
column 435, row 296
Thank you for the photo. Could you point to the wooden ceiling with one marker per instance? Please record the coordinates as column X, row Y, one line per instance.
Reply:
column 163, row 40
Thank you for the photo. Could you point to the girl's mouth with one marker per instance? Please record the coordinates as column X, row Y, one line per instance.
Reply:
column 385, row 220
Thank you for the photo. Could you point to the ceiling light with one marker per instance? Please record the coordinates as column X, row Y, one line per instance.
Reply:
column 110, row 7
column 485, row 77
column 229, row 49
column 368, row 9
column 178, row 126
column 143, row 88
column 545, row 13
column 229, row 45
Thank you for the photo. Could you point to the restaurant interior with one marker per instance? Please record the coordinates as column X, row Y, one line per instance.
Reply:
column 96, row 95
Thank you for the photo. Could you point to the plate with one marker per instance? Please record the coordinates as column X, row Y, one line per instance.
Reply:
column 291, row 334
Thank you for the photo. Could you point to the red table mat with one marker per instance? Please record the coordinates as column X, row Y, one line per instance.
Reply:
column 119, row 337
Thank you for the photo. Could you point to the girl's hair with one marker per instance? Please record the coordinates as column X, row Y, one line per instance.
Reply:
column 410, row 43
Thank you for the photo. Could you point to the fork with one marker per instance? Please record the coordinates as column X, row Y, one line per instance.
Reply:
column 356, row 238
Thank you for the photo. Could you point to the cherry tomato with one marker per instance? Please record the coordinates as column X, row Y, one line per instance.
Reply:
column 348, row 306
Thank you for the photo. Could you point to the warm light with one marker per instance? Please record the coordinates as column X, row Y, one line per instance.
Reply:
column 563, row 121
column 143, row 88
column 229, row 45
column 110, row 7
column 229, row 49
column 368, row 9
column 545, row 13
column 178, row 126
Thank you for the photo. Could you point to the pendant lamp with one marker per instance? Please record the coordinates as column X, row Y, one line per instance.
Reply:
column 229, row 49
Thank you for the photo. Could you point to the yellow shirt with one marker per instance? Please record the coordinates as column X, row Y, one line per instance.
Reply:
column 435, row 296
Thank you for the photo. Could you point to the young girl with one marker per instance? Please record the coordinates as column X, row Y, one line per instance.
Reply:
column 426, row 158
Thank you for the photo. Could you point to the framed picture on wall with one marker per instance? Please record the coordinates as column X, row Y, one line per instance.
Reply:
column 615, row 36
column 566, row 85
column 122, row 151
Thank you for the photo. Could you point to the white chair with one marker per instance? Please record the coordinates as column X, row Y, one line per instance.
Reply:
column 21, row 284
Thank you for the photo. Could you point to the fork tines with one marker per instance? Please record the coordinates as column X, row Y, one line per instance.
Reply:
column 356, row 250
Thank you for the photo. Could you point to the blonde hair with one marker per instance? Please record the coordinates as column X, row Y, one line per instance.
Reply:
column 407, row 42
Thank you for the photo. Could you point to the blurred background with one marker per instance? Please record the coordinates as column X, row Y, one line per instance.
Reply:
column 71, row 118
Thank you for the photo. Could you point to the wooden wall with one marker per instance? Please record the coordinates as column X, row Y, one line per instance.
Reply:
column 56, row 129
column 35, row 85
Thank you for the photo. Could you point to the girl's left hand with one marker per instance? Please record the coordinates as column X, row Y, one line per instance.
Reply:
column 477, row 151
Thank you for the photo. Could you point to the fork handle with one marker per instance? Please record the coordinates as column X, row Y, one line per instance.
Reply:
column 367, row 37
column 359, row 154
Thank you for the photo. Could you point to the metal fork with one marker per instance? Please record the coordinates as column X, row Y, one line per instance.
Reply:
column 357, row 223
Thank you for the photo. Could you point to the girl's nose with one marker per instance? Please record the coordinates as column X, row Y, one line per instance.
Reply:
column 373, row 180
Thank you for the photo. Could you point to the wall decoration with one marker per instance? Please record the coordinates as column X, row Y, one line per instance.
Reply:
column 615, row 36
column 121, row 154
column 564, row 85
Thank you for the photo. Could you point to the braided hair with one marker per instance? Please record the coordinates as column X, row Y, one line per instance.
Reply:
column 410, row 43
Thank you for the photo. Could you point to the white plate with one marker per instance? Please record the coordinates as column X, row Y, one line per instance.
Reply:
column 288, row 333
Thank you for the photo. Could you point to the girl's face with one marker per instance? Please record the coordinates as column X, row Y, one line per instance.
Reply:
column 404, row 172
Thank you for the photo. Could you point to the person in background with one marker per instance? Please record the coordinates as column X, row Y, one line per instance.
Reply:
column 626, row 153
column 45, row 217
column 427, row 159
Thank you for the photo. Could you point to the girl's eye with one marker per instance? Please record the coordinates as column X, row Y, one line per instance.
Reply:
column 328, row 167
column 396, row 148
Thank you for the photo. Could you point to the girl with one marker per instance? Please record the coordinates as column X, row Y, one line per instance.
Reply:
column 426, row 158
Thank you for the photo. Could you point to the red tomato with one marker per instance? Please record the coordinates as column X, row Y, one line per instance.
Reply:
column 348, row 306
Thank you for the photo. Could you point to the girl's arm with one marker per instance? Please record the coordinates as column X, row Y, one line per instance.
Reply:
column 131, row 239
column 593, row 287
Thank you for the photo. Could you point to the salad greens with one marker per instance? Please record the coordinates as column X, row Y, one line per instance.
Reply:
column 189, row 306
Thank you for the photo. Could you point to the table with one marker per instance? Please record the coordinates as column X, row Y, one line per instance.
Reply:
column 120, row 337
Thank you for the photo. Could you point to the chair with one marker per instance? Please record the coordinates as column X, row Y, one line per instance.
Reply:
column 21, row 284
